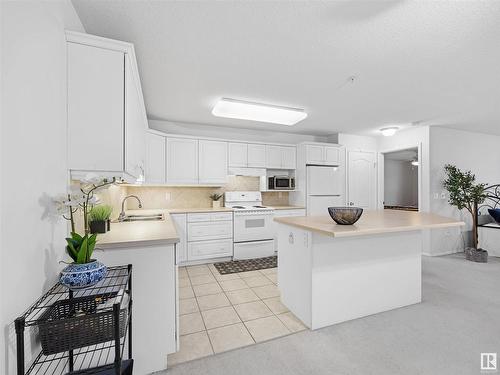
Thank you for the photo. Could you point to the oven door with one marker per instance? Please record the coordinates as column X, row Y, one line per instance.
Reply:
column 253, row 226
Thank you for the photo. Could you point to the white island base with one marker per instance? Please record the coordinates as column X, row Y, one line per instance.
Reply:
column 325, row 280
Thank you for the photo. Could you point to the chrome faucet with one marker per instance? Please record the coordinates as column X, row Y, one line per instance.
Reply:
column 122, row 214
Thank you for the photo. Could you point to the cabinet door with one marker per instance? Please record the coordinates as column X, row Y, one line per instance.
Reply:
column 182, row 161
column 332, row 155
column 135, row 125
column 213, row 162
column 238, row 155
column 274, row 157
column 155, row 159
column 256, row 156
column 95, row 108
column 181, row 227
column 314, row 154
column 289, row 155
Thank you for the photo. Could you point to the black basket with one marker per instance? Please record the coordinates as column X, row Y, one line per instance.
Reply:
column 76, row 323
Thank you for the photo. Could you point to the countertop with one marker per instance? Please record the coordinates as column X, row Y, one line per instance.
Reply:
column 371, row 222
column 139, row 233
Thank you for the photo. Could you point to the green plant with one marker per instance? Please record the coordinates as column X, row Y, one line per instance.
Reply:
column 80, row 248
column 464, row 193
column 215, row 196
column 100, row 213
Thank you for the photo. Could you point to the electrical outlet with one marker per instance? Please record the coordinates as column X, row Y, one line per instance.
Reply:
column 280, row 194
column 168, row 196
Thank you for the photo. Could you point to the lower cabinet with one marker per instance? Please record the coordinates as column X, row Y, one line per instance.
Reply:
column 203, row 236
column 284, row 213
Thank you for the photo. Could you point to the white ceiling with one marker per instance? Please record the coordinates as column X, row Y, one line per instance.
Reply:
column 431, row 63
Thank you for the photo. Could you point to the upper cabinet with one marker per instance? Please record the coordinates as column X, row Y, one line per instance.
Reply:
column 155, row 159
column 322, row 155
column 182, row 161
column 106, row 113
column 280, row 157
column 243, row 155
column 212, row 163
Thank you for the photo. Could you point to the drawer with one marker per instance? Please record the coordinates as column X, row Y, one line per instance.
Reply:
column 210, row 249
column 293, row 212
column 211, row 230
column 210, row 216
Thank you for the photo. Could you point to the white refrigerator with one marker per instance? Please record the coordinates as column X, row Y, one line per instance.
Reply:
column 324, row 189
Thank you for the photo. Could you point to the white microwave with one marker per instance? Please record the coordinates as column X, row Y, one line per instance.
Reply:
column 281, row 183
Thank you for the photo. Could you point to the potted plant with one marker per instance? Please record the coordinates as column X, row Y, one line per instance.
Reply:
column 216, row 199
column 84, row 271
column 466, row 193
column 99, row 218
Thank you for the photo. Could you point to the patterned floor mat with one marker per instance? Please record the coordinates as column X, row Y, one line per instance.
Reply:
column 234, row 266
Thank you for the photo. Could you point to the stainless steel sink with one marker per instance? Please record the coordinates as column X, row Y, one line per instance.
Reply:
column 152, row 217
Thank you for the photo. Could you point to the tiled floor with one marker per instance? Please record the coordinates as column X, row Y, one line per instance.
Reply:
column 224, row 312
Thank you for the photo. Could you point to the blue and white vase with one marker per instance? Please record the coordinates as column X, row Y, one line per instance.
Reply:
column 80, row 276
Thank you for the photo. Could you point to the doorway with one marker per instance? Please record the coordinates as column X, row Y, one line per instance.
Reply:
column 401, row 180
column 362, row 179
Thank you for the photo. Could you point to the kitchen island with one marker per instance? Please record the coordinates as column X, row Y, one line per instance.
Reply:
column 330, row 273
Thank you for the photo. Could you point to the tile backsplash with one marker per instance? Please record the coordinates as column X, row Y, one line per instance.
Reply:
column 194, row 197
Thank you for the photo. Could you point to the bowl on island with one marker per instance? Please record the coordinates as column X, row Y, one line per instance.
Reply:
column 345, row 215
column 495, row 214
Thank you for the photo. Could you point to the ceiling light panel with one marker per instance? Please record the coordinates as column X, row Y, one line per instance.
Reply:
column 243, row 110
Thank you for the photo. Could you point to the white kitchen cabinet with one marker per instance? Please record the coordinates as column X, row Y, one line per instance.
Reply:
column 285, row 213
column 210, row 230
column 180, row 223
column 280, row 157
column 322, row 155
column 155, row 159
column 106, row 114
column 238, row 155
column 202, row 250
column 182, row 161
column 212, row 159
column 256, row 155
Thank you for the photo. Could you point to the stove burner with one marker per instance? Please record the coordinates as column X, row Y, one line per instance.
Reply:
column 238, row 207
column 260, row 206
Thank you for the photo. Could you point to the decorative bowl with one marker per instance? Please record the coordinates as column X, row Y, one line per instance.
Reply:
column 495, row 214
column 80, row 276
column 345, row 215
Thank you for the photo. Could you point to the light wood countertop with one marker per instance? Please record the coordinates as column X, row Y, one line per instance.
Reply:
column 371, row 222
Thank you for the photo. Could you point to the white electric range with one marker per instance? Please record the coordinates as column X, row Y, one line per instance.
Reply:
column 253, row 225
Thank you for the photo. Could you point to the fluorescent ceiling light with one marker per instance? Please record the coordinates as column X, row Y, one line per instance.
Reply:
column 243, row 110
column 390, row 131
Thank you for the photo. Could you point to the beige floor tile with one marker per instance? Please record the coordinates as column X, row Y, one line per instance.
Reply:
column 245, row 275
column 266, row 328
column 252, row 310
column 291, row 322
column 193, row 346
column 183, row 282
column 241, row 296
column 198, row 270
column 230, row 276
column 275, row 305
column 186, row 292
column 230, row 285
column 273, row 278
column 191, row 323
column 213, row 301
column 220, row 317
column 269, row 271
column 267, row 291
column 202, row 279
column 230, row 337
column 188, row 306
column 257, row 281
column 206, row 289
column 182, row 272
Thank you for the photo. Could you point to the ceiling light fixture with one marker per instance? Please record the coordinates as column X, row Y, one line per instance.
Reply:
column 243, row 110
column 389, row 131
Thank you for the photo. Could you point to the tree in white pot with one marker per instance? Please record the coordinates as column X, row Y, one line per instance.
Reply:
column 466, row 193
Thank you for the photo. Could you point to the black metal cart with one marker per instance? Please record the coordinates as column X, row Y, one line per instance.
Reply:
column 66, row 347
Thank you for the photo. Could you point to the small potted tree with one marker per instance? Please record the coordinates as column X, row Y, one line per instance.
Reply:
column 216, row 199
column 466, row 193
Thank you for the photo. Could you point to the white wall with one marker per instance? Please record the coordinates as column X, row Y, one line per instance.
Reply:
column 400, row 183
column 33, row 154
column 358, row 142
column 200, row 130
column 468, row 151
